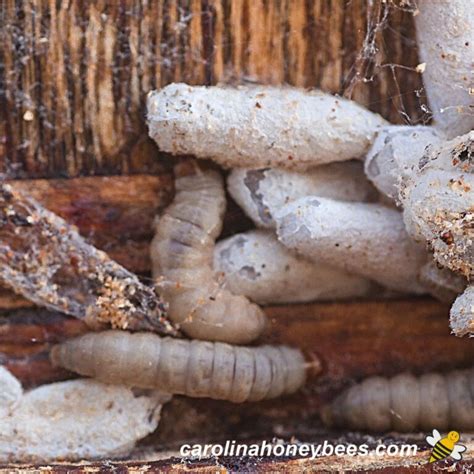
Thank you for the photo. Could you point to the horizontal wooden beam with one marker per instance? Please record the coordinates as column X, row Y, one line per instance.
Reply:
column 353, row 340
column 114, row 213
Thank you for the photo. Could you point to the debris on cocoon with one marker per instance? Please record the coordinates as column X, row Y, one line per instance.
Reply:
column 260, row 193
column 365, row 239
column 256, row 265
column 78, row 419
column 439, row 203
column 256, row 127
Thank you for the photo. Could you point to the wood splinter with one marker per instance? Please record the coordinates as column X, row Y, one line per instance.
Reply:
column 44, row 259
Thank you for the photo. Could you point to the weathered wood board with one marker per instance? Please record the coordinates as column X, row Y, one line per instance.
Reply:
column 73, row 82
column 353, row 340
column 75, row 74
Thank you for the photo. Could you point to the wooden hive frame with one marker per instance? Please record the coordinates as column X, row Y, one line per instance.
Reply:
column 74, row 80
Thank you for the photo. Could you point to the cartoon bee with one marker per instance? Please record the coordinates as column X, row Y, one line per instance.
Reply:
column 445, row 447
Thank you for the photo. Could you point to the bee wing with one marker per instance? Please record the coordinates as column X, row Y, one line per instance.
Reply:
column 458, row 449
column 432, row 440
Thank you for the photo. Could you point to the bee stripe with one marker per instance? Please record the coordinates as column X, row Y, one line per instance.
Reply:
column 443, row 446
column 439, row 455
column 436, row 457
column 441, row 450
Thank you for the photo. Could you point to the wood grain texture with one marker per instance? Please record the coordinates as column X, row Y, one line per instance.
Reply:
column 75, row 74
column 114, row 213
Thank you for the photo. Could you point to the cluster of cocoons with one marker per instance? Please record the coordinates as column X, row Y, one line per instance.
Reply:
column 328, row 225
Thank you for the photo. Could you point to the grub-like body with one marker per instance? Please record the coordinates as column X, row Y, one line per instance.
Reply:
column 406, row 403
column 182, row 254
column 193, row 368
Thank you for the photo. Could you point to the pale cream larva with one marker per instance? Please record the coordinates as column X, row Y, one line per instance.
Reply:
column 265, row 126
column 445, row 34
column 261, row 192
column 395, row 154
column 78, row 419
column 193, row 368
column 256, row 265
column 364, row 239
column 182, row 254
column 406, row 403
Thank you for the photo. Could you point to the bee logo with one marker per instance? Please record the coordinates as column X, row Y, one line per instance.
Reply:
column 445, row 447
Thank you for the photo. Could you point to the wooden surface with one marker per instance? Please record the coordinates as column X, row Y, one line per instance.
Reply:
column 149, row 460
column 353, row 340
column 73, row 84
column 76, row 74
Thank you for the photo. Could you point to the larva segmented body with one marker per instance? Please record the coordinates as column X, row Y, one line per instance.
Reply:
column 193, row 368
column 182, row 255
column 406, row 403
